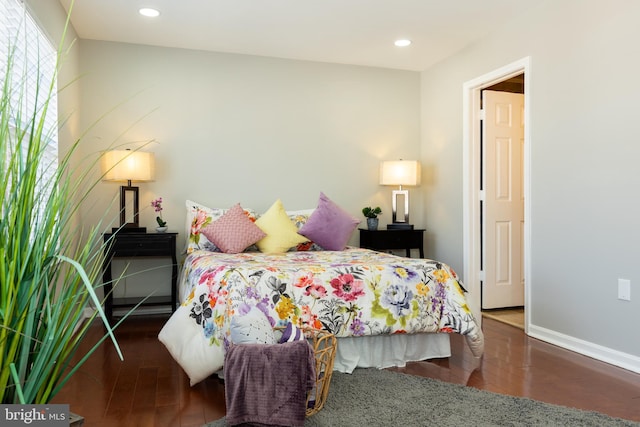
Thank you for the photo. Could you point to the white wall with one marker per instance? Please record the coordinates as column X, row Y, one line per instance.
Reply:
column 233, row 128
column 584, row 171
column 236, row 128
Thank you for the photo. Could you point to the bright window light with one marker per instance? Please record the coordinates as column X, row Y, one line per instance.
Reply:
column 402, row 43
column 147, row 11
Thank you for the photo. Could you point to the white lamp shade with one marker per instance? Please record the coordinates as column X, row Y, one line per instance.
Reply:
column 125, row 165
column 400, row 172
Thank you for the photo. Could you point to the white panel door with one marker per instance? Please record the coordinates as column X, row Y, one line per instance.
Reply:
column 503, row 207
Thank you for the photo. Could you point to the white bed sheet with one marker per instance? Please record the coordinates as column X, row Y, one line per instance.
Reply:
column 384, row 351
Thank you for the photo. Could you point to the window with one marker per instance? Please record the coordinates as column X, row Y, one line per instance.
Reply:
column 33, row 72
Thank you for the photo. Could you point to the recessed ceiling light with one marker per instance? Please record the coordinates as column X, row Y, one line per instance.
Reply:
column 147, row 11
column 402, row 42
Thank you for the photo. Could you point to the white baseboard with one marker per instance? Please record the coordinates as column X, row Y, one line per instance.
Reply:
column 595, row 351
column 88, row 312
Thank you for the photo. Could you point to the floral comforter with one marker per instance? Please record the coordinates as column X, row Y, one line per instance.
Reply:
column 354, row 292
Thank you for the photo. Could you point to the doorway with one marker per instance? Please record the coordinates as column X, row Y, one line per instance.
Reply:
column 517, row 73
column 502, row 195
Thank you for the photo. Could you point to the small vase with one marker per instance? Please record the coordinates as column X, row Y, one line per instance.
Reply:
column 161, row 229
column 372, row 224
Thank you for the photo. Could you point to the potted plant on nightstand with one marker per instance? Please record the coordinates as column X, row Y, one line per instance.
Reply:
column 157, row 206
column 372, row 216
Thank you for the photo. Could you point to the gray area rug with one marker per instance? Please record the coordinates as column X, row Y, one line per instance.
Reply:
column 372, row 397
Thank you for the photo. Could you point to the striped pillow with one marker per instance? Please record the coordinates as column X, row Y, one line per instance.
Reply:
column 291, row 333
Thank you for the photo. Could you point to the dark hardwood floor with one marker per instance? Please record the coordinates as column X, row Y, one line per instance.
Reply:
column 150, row 389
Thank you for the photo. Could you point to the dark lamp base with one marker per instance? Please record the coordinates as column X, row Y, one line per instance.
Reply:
column 399, row 226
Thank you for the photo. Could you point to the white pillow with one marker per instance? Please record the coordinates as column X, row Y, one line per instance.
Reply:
column 183, row 338
column 252, row 328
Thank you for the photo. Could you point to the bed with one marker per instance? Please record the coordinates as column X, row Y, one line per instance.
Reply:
column 384, row 309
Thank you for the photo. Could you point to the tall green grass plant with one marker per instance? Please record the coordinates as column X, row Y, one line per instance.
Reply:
column 49, row 267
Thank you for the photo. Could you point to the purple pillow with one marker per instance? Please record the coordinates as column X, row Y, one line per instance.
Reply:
column 329, row 226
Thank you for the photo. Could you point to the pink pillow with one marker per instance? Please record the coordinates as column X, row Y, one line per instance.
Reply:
column 329, row 226
column 233, row 232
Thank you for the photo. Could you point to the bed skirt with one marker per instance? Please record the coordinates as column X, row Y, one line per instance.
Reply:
column 384, row 351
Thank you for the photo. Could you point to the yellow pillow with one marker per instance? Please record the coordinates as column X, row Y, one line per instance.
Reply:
column 282, row 233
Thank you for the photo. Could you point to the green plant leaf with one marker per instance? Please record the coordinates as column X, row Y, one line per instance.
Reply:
column 49, row 267
column 94, row 298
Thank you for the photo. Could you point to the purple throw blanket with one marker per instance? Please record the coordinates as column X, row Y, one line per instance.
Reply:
column 267, row 384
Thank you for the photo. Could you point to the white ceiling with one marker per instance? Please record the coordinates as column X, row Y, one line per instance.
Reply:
column 358, row 32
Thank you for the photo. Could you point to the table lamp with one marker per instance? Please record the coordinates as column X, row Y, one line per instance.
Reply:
column 129, row 166
column 400, row 172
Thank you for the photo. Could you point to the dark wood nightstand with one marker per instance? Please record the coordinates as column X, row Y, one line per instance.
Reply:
column 381, row 240
column 128, row 245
